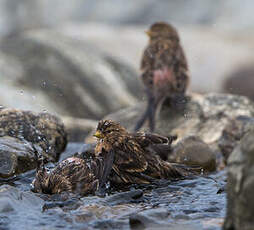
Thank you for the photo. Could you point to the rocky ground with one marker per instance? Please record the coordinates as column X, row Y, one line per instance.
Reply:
column 59, row 82
column 204, row 127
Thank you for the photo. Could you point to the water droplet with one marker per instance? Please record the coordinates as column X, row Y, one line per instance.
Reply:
column 21, row 92
column 44, row 83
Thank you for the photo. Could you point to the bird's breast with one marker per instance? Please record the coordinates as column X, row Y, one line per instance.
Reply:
column 163, row 76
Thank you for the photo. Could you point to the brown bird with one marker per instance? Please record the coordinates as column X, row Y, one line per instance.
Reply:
column 136, row 156
column 75, row 175
column 164, row 71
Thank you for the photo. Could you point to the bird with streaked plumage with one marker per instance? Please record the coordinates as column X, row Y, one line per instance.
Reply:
column 78, row 175
column 136, row 156
column 164, row 71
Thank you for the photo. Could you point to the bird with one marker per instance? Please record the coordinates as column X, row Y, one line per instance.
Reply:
column 75, row 175
column 136, row 156
column 164, row 71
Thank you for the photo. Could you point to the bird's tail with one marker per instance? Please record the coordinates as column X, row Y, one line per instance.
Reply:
column 175, row 171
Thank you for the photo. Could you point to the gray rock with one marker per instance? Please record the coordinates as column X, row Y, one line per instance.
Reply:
column 193, row 151
column 240, row 186
column 52, row 72
column 205, row 116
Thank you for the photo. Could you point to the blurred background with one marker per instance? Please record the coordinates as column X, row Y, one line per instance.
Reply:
column 81, row 58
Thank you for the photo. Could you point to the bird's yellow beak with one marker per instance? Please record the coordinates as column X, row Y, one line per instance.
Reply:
column 149, row 33
column 98, row 134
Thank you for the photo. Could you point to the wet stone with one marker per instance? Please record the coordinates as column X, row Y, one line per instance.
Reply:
column 42, row 129
column 16, row 156
column 8, row 163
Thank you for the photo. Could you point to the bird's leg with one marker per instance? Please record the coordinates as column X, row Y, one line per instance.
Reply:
column 151, row 116
column 147, row 114
column 143, row 118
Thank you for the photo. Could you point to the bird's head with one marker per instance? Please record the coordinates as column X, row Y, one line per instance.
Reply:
column 110, row 131
column 162, row 30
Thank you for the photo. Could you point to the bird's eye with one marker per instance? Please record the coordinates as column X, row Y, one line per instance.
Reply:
column 108, row 131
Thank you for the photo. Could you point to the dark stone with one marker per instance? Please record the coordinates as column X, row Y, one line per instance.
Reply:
column 8, row 162
column 136, row 223
column 16, row 156
column 193, row 151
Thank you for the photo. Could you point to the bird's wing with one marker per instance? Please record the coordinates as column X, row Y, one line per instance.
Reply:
column 130, row 157
column 155, row 143
column 158, row 54
column 146, row 139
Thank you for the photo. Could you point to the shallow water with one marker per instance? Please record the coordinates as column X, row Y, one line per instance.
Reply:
column 186, row 204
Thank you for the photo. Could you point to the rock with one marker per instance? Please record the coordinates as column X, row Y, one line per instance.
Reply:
column 16, row 156
column 193, row 151
column 205, row 115
column 13, row 200
column 233, row 133
column 43, row 129
column 240, row 186
column 72, row 77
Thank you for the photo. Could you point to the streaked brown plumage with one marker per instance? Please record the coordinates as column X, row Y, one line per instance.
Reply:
column 136, row 156
column 164, row 70
column 75, row 175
